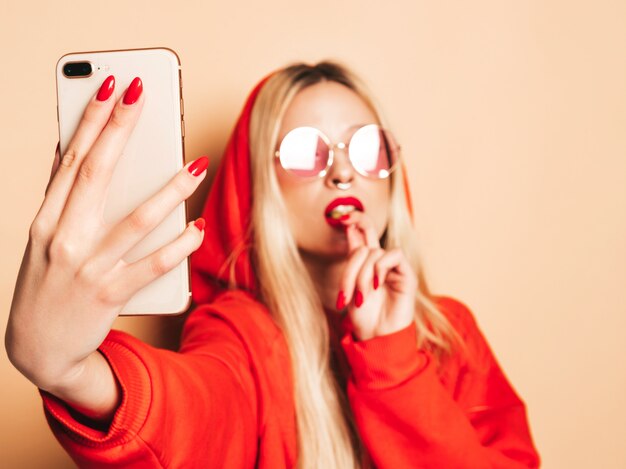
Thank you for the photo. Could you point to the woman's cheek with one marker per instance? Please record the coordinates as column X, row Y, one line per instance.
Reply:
column 383, row 210
column 382, row 222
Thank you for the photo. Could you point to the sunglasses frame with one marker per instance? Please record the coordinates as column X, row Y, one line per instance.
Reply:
column 343, row 146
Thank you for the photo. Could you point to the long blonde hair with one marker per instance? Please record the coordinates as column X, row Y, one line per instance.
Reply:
column 327, row 435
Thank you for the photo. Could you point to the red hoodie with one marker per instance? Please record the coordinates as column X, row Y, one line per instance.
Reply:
column 225, row 399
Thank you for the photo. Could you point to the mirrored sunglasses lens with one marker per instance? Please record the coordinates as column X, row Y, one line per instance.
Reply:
column 373, row 151
column 304, row 152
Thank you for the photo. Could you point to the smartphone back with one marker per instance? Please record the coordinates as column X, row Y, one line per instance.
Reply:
column 152, row 156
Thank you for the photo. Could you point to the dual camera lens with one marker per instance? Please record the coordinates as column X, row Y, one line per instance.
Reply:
column 77, row 69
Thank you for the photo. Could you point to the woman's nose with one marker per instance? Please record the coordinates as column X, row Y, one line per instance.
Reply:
column 341, row 173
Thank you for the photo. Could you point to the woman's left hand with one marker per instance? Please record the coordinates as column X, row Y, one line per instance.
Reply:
column 378, row 286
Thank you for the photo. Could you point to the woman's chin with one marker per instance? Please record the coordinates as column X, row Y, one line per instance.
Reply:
column 336, row 249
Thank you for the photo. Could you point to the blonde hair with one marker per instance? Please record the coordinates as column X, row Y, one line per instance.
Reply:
column 327, row 434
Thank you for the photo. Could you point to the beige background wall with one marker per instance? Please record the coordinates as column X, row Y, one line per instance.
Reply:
column 513, row 120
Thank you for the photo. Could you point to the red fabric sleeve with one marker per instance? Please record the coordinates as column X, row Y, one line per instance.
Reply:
column 195, row 408
column 411, row 417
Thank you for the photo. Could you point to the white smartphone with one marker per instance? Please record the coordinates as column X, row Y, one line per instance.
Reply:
column 157, row 143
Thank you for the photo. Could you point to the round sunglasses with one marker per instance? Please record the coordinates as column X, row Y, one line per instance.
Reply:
column 307, row 152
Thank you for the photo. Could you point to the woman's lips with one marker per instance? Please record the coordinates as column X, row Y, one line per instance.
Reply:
column 339, row 208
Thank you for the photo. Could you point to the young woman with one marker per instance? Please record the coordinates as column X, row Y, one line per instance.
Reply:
column 315, row 341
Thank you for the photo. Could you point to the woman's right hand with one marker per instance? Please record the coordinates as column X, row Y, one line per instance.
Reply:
column 72, row 282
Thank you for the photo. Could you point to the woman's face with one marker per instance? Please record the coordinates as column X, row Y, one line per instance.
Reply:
column 338, row 112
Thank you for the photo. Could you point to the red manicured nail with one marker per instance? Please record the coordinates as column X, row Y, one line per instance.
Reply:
column 341, row 301
column 197, row 167
column 200, row 223
column 106, row 89
column 375, row 282
column 134, row 91
column 344, row 217
column 358, row 298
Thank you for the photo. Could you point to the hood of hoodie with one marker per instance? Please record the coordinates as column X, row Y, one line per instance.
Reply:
column 227, row 213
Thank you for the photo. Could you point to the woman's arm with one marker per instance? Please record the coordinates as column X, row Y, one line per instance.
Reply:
column 193, row 408
column 408, row 416
column 93, row 391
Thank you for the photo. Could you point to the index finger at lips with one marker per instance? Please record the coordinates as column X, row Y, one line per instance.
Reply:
column 355, row 238
column 351, row 271
column 66, row 166
column 367, row 273
column 95, row 173
column 364, row 226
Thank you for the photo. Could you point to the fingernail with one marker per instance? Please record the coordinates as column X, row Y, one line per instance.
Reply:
column 106, row 89
column 358, row 298
column 134, row 91
column 197, row 167
column 341, row 301
column 344, row 217
column 375, row 282
column 200, row 223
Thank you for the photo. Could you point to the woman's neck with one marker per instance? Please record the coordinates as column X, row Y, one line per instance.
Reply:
column 326, row 275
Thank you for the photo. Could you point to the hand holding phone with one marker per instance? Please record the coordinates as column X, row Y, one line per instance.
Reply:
column 74, row 281
column 152, row 153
